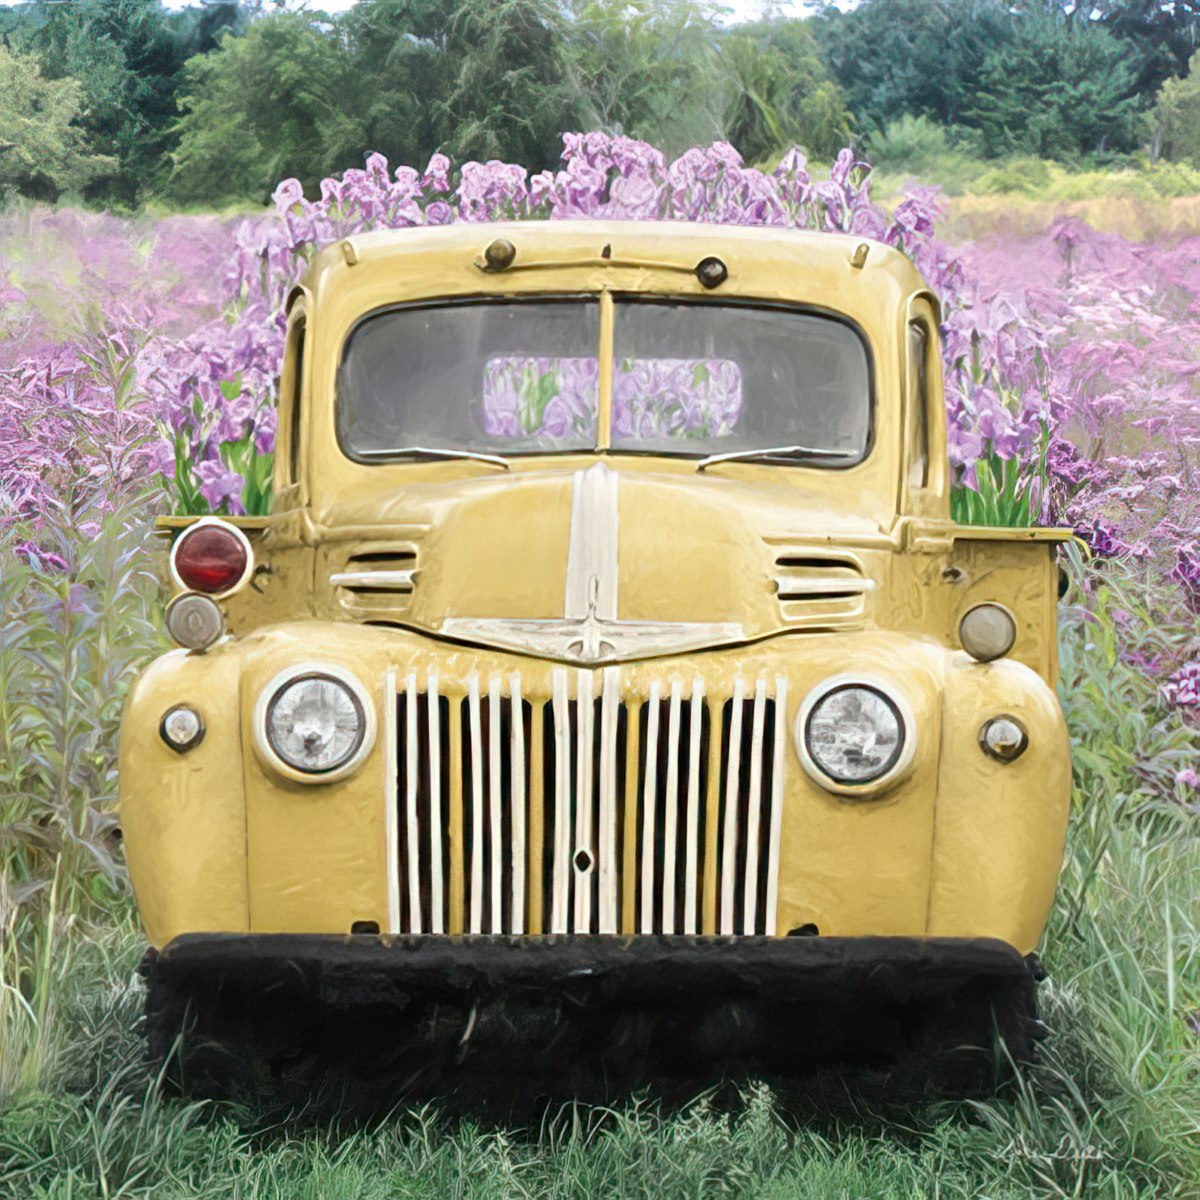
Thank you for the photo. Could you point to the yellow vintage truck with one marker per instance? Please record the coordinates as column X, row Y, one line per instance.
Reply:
column 609, row 693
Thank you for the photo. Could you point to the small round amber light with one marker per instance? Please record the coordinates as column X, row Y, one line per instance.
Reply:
column 1004, row 739
column 987, row 632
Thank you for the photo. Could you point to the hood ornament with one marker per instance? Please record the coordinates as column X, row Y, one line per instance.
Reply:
column 589, row 632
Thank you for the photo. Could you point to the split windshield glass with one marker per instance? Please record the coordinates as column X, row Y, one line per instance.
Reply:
column 690, row 378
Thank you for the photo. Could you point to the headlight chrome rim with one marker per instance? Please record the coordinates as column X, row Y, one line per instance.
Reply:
column 903, row 761
column 271, row 693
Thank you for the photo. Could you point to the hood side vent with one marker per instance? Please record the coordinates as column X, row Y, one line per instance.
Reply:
column 821, row 591
column 376, row 583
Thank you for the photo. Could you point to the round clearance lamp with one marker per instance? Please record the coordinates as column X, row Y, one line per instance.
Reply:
column 181, row 728
column 987, row 632
column 1004, row 739
column 212, row 557
column 194, row 621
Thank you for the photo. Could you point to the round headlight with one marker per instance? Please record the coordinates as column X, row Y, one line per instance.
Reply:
column 317, row 723
column 852, row 734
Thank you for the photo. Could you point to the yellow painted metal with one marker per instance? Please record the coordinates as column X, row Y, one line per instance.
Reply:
column 184, row 815
column 216, row 839
column 1001, row 828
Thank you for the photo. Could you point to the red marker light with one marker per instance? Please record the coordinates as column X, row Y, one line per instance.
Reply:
column 211, row 557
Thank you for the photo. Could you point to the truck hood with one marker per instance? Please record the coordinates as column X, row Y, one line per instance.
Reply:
column 599, row 565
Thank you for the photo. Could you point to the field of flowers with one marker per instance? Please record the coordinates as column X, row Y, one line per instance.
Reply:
column 138, row 360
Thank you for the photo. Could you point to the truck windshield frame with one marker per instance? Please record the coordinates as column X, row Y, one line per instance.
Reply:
column 541, row 394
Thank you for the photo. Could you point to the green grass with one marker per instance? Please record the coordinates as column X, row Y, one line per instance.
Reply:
column 1111, row 1110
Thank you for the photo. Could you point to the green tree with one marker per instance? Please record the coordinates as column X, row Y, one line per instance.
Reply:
column 1056, row 88
column 128, row 56
column 1160, row 36
column 917, row 57
column 401, row 74
column 42, row 148
column 475, row 80
column 273, row 103
column 512, row 96
column 780, row 93
column 1176, row 117
column 647, row 68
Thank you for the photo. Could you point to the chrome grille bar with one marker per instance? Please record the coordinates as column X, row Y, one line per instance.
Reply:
column 517, row 792
column 691, row 866
column 437, row 923
column 609, row 772
column 412, row 767
column 649, row 802
column 781, row 689
column 670, row 814
column 391, row 813
column 475, row 918
column 495, row 787
column 562, row 798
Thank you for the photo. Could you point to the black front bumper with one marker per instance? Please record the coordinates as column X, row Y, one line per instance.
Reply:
column 585, row 1016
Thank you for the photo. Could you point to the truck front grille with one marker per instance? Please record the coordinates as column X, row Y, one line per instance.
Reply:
column 584, row 810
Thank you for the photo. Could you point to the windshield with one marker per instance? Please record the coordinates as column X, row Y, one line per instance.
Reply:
column 692, row 378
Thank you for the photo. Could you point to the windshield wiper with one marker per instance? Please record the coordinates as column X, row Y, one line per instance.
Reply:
column 436, row 452
column 783, row 452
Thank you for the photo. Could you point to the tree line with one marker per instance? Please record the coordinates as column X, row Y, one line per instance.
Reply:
column 118, row 102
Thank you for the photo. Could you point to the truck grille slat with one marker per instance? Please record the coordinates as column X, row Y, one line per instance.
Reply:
column 517, row 790
column 437, row 888
column 609, row 771
column 696, row 731
column 412, row 775
column 586, row 810
column 496, row 831
column 561, row 774
column 729, row 802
